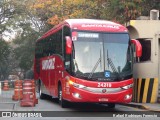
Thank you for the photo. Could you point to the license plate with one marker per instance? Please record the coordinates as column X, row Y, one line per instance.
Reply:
column 103, row 99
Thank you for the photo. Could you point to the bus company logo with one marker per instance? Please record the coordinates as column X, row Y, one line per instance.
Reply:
column 101, row 26
column 104, row 90
column 48, row 64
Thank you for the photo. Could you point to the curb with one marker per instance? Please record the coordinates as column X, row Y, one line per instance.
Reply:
column 140, row 107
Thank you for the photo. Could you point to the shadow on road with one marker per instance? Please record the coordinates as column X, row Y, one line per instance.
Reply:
column 90, row 107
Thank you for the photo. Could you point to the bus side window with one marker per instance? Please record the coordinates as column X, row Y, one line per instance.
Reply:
column 68, row 58
column 58, row 42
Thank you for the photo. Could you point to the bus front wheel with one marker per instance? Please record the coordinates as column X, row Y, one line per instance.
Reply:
column 62, row 102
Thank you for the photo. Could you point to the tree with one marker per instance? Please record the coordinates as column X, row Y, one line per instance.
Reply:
column 55, row 11
column 16, row 17
column 4, row 59
column 24, row 50
column 6, row 13
column 149, row 5
column 31, row 18
column 125, row 10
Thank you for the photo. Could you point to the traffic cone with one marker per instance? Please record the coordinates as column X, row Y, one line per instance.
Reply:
column 18, row 93
column 28, row 95
column 34, row 92
column 6, row 85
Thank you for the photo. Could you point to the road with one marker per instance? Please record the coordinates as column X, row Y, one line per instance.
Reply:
column 51, row 107
column 50, row 104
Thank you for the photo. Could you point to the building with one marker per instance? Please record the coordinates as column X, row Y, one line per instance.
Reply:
column 147, row 70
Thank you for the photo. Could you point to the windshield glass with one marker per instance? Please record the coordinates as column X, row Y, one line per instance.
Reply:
column 102, row 56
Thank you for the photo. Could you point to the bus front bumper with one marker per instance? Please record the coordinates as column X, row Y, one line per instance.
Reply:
column 81, row 95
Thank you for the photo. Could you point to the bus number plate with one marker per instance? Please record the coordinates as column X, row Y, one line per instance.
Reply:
column 104, row 85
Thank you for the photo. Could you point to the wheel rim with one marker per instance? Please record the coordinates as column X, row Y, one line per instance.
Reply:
column 40, row 92
column 60, row 94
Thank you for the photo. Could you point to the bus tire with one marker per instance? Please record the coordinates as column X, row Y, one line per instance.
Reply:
column 62, row 102
column 41, row 95
column 111, row 105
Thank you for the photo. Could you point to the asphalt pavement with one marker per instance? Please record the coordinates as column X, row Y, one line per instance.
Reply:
column 155, row 107
column 53, row 108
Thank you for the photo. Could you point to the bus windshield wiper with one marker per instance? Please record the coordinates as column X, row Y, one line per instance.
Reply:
column 109, row 60
column 95, row 66
column 112, row 65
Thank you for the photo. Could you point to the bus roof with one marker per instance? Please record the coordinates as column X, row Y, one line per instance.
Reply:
column 89, row 25
column 95, row 25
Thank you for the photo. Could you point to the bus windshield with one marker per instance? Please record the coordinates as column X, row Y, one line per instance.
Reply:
column 102, row 56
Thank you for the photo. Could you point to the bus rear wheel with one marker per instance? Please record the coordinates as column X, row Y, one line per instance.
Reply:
column 41, row 95
column 62, row 102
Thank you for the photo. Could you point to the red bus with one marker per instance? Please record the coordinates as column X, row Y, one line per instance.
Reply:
column 86, row 60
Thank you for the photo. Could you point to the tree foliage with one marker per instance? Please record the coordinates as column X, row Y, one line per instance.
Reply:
column 21, row 21
column 149, row 5
column 25, row 42
column 55, row 11
column 6, row 13
column 124, row 10
column 29, row 19
column 4, row 59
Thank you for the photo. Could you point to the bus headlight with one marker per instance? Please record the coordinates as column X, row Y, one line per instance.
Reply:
column 76, row 85
column 127, row 97
column 76, row 95
column 127, row 86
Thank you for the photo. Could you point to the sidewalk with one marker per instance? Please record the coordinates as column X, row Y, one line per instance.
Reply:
column 147, row 106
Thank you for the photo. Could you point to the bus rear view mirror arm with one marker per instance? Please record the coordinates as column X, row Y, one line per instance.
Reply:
column 138, row 47
column 68, row 45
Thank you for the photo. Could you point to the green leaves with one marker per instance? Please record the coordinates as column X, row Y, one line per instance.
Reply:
column 4, row 59
column 24, row 52
column 29, row 19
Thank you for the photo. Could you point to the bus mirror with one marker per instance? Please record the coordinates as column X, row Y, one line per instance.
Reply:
column 68, row 45
column 138, row 47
